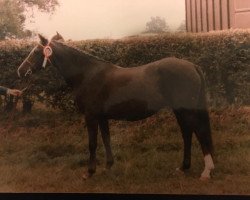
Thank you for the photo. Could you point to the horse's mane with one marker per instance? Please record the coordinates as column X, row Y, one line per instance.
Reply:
column 77, row 50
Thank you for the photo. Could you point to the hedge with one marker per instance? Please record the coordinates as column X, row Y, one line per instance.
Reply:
column 223, row 56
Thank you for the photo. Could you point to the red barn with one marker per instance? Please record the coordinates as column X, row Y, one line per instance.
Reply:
column 209, row 15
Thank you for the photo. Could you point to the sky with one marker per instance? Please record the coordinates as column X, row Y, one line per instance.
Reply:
column 102, row 19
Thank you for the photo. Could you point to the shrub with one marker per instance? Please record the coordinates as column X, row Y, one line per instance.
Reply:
column 223, row 56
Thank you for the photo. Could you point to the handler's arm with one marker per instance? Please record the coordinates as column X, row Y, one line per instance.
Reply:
column 3, row 90
column 14, row 92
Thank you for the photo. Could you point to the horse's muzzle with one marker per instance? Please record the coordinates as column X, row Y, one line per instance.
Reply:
column 24, row 71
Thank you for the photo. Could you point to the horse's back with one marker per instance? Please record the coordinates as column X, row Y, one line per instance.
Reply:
column 172, row 65
column 178, row 81
column 146, row 89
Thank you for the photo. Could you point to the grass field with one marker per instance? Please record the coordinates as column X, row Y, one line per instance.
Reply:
column 47, row 151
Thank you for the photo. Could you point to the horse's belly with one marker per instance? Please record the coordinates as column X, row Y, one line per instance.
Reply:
column 131, row 110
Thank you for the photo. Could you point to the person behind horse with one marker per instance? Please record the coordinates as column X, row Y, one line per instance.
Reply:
column 14, row 92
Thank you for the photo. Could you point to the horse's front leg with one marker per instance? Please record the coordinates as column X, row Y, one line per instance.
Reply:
column 92, row 127
column 104, row 128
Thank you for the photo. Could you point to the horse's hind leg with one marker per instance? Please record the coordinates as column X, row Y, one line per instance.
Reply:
column 203, row 134
column 186, row 130
column 104, row 128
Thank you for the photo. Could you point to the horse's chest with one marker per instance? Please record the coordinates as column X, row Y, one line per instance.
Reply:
column 90, row 101
column 80, row 104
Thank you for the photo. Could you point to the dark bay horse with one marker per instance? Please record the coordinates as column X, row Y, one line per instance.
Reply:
column 105, row 91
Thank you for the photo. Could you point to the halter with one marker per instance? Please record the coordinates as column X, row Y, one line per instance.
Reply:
column 29, row 71
column 47, row 52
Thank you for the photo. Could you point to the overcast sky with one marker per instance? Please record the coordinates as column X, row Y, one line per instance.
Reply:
column 91, row 19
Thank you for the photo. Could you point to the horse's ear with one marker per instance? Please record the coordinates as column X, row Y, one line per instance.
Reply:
column 58, row 37
column 43, row 40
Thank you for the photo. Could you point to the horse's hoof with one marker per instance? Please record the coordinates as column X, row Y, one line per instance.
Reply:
column 179, row 172
column 109, row 165
column 106, row 171
column 87, row 175
column 178, row 169
column 206, row 175
column 205, row 178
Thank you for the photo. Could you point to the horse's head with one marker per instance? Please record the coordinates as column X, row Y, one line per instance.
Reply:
column 38, row 57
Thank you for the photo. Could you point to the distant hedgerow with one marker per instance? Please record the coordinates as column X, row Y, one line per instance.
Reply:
column 223, row 56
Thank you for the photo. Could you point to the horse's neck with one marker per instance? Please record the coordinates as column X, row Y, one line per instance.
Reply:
column 76, row 66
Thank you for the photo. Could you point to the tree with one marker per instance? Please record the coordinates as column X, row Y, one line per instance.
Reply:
column 157, row 25
column 182, row 27
column 13, row 15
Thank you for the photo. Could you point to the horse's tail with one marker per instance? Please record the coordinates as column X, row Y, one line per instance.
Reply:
column 202, row 102
column 204, row 128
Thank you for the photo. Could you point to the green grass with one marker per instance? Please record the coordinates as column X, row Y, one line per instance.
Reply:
column 47, row 151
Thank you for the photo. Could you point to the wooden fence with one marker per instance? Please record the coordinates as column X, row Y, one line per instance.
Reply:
column 210, row 15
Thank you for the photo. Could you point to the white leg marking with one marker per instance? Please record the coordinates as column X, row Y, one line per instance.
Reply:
column 209, row 165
